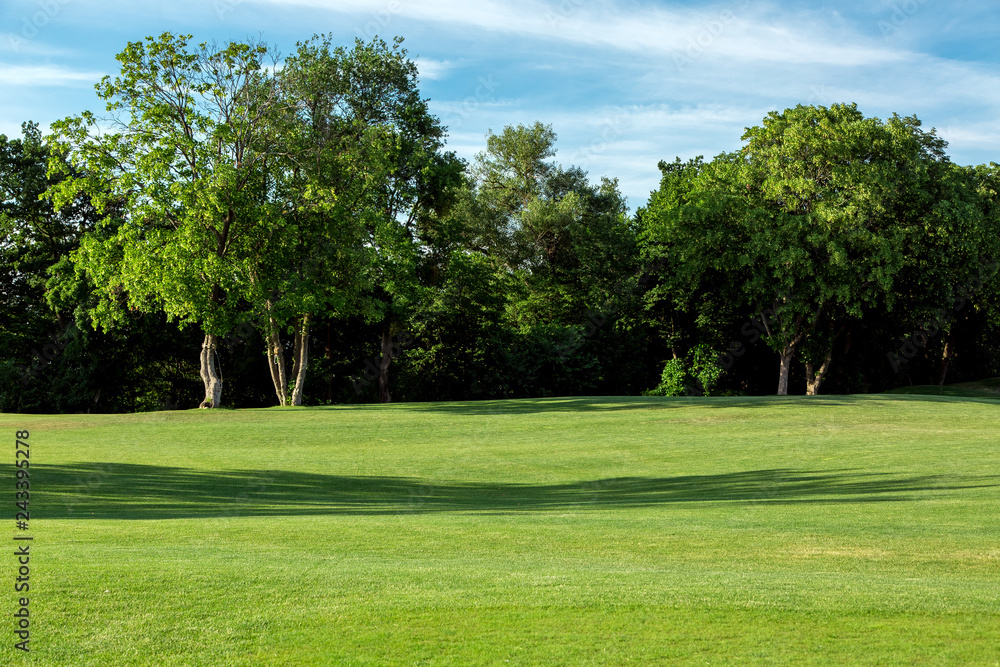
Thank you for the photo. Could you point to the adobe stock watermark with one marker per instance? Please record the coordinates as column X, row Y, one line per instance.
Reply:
column 22, row 542
column 40, row 358
column 485, row 92
column 32, row 25
column 752, row 331
column 819, row 95
column 419, row 496
column 611, row 130
column 596, row 320
column 223, row 7
column 380, row 20
column 563, row 11
column 710, row 31
column 926, row 331
column 398, row 344
column 931, row 327
column 369, row 376
column 248, row 499
column 87, row 486
column 902, row 12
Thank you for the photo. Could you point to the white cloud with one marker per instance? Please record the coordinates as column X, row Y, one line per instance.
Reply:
column 727, row 29
column 619, row 141
column 433, row 69
column 44, row 75
column 973, row 139
column 625, row 83
column 17, row 44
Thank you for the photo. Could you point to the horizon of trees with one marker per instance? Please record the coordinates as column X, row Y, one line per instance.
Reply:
column 235, row 233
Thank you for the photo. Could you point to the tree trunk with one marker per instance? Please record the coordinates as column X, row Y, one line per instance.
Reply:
column 301, row 359
column 210, row 372
column 296, row 358
column 814, row 380
column 328, row 355
column 945, row 360
column 787, row 354
column 788, row 349
column 276, row 359
column 383, row 366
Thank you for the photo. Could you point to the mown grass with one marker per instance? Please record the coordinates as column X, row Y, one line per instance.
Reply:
column 820, row 530
column 979, row 389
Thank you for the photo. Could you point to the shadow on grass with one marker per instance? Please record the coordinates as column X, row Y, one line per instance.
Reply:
column 606, row 404
column 100, row 490
column 519, row 406
column 935, row 392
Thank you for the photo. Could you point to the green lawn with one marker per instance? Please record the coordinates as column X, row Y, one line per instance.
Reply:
column 826, row 530
column 980, row 389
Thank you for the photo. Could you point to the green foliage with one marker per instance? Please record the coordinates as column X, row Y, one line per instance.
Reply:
column 673, row 381
column 822, row 216
column 695, row 375
column 178, row 170
column 229, row 193
column 569, row 242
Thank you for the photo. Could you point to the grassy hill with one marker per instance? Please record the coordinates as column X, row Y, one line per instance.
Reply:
column 989, row 389
column 853, row 530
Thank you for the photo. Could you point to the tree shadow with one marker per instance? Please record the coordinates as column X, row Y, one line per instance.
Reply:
column 516, row 406
column 130, row 491
column 593, row 404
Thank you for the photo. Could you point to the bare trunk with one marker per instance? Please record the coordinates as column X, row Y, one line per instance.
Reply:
column 276, row 359
column 814, row 380
column 787, row 354
column 945, row 360
column 296, row 359
column 328, row 354
column 787, row 351
column 301, row 359
column 383, row 366
column 210, row 372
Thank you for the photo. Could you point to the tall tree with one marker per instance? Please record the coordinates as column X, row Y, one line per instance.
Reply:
column 835, row 202
column 187, row 154
column 571, row 242
column 34, row 240
column 814, row 220
column 369, row 147
column 692, row 280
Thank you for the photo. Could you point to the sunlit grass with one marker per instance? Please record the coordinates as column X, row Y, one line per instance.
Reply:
column 559, row 531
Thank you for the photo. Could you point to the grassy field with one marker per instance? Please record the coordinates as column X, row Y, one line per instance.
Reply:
column 825, row 530
column 980, row 389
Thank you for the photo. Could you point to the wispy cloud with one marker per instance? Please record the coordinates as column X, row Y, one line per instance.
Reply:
column 13, row 43
column 736, row 28
column 44, row 75
column 625, row 83
column 434, row 70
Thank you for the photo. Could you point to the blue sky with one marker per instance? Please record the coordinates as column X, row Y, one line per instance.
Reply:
column 624, row 83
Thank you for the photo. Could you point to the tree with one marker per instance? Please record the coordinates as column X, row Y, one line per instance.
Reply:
column 49, row 359
column 693, row 282
column 814, row 219
column 36, row 326
column 571, row 243
column 365, row 137
column 952, row 261
column 186, row 155
column 844, row 200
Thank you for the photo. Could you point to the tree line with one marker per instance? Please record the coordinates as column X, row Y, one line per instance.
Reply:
column 239, row 230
